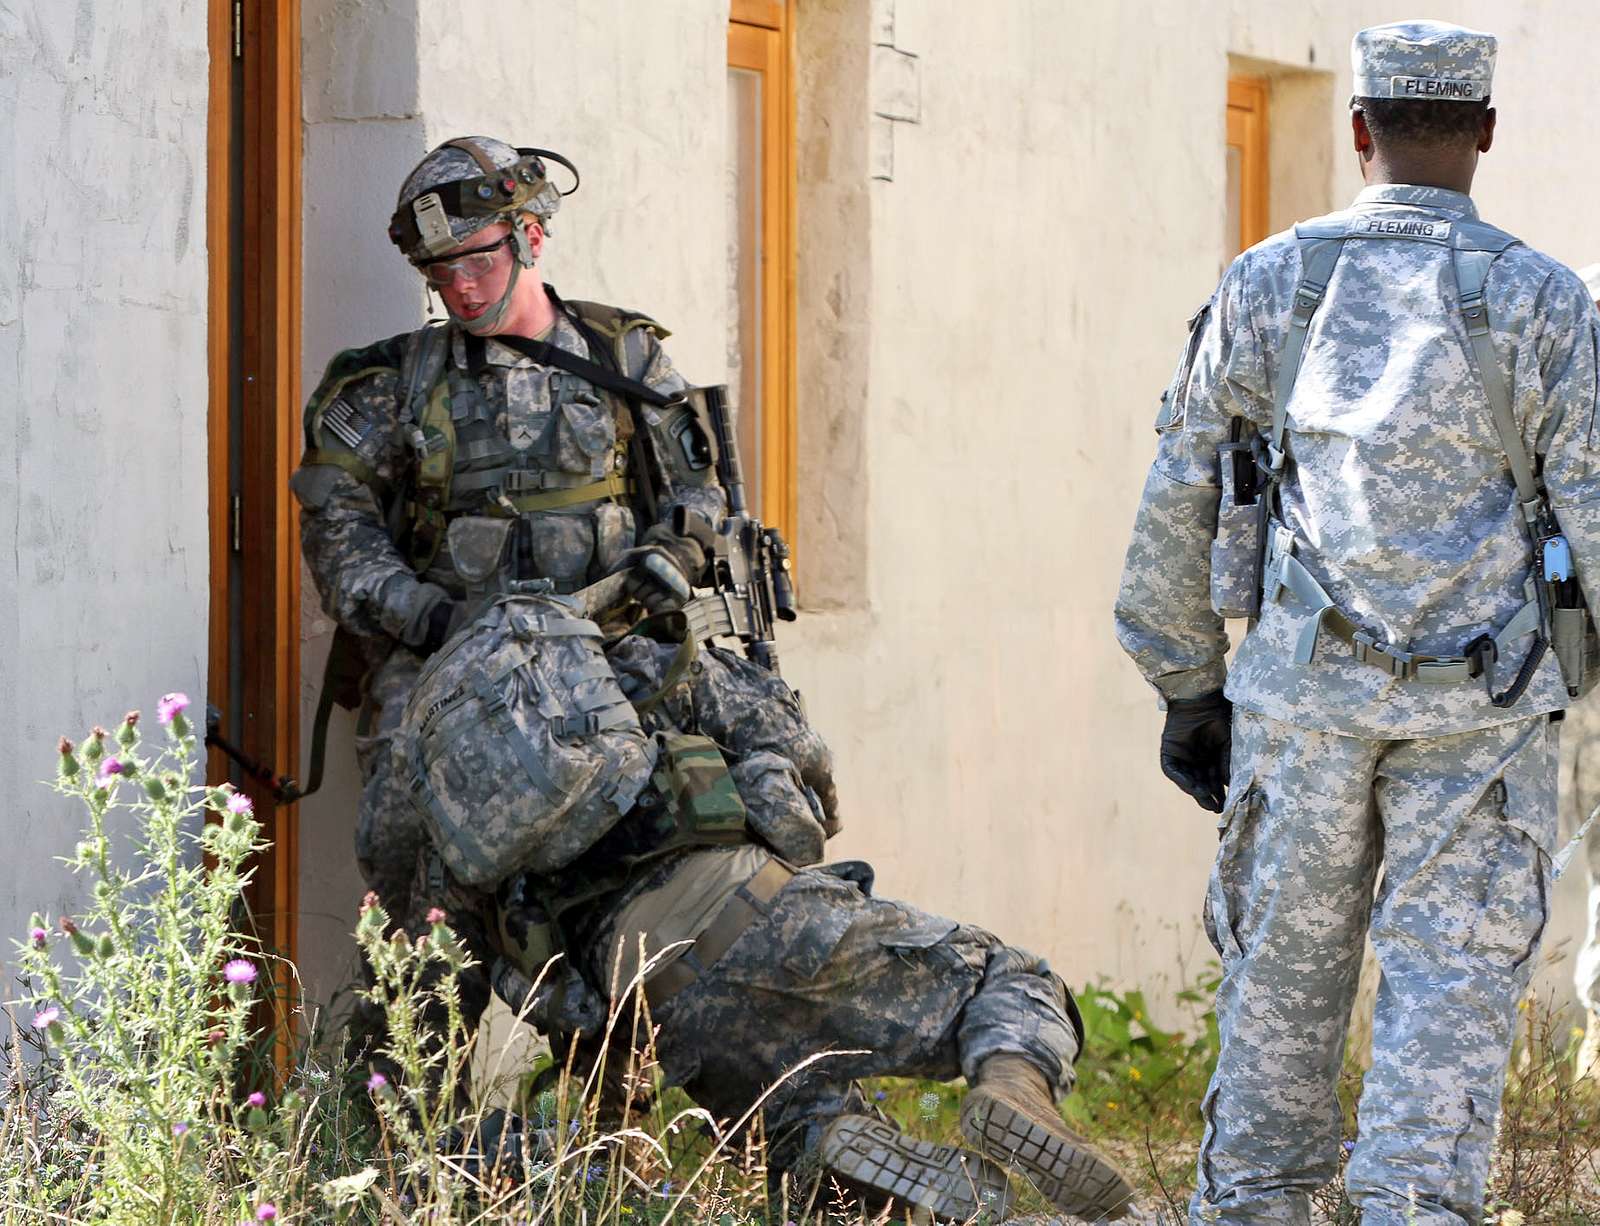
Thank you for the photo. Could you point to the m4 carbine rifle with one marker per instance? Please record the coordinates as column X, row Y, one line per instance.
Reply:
column 750, row 588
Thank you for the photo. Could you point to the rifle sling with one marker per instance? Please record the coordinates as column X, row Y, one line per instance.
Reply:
column 547, row 354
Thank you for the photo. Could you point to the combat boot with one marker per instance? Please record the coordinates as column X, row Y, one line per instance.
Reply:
column 937, row 1183
column 1011, row 1116
column 1588, row 1062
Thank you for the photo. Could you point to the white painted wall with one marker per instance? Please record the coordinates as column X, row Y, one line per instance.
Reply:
column 103, row 603
column 983, row 337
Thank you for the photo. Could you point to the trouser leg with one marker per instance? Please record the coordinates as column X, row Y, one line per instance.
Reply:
column 889, row 989
column 388, row 836
column 1469, row 824
column 1287, row 912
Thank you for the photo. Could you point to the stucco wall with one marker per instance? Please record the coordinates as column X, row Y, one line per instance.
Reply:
column 1052, row 218
column 103, row 605
column 1006, row 212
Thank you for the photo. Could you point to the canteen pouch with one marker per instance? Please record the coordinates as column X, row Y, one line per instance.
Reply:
column 691, row 770
column 1236, row 549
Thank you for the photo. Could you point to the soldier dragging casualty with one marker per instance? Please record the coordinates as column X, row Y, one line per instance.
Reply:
column 517, row 516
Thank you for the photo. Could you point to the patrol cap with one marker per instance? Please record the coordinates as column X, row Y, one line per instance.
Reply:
column 1423, row 60
column 1591, row 280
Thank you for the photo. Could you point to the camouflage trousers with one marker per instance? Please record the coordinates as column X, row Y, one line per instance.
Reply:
column 1463, row 827
column 389, row 831
column 892, row 990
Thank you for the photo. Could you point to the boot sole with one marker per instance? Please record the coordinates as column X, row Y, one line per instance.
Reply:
column 939, row 1182
column 1072, row 1177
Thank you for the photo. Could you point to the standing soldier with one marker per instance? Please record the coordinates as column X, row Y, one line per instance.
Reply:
column 1584, row 734
column 1376, row 447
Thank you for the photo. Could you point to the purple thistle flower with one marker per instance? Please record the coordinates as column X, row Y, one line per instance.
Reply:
column 256, row 1099
column 171, row 705
column 37, row 936
column 238, row 970
column 376, row 1082
column 266, row 1211
column 109, row 769
column 46, row 1017
column 238, row 802
column 179, row 1129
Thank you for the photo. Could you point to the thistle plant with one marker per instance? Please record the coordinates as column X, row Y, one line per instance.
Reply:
column 139, row 1006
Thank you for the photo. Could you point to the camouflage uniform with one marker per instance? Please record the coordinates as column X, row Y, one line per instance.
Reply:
column 369, row 587
column 1402, row 511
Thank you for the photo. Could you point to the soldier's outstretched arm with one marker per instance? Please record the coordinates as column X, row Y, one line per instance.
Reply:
column 1164, row 618
column 1569, row 435
column 351, row 473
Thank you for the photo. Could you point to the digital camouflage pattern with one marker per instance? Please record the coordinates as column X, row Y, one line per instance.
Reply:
column 832, row 969
column 1464, row 828
column 1398, row 493
column 1424, row 60
column 555, row 423
column 746, row 709
column 1396, row 483
column 517, row 745
column 450, row 164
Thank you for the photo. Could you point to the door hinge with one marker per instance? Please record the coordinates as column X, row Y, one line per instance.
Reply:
column 238, row 524
column 238, row 29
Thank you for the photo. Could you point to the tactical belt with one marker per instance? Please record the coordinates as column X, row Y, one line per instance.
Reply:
column 750, row 902
column 1285, row 573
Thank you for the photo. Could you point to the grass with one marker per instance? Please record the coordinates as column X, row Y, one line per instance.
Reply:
column 143, row 1091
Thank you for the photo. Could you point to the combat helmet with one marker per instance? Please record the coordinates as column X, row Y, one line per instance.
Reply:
column 466, row 184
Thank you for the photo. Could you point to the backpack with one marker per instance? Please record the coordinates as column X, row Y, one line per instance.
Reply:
column 517, row 744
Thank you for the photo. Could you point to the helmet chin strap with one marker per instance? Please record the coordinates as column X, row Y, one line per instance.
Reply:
column 490, row 320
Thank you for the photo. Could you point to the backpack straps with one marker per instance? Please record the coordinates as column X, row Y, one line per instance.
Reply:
column 1471, row 256
column 1319, row 252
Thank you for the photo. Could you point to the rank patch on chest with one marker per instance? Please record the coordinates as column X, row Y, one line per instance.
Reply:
column 522, row 436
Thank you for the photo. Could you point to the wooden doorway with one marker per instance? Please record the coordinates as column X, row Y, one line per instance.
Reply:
column 253, row 240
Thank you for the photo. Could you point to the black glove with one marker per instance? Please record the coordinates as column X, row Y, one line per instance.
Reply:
column 444, row 619
column 655, row 578
column 1196, row 745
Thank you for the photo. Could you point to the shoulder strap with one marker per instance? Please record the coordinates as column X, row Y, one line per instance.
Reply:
column 1319, row 252
column 1470, row 260
column 547, row 354
column 426, row 349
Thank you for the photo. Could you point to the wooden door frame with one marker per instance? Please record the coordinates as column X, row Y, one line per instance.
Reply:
column 761, row 38
column 261, row 211
column 1247, row 131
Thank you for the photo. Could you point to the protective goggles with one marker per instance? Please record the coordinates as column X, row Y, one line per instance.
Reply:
column 472, row 265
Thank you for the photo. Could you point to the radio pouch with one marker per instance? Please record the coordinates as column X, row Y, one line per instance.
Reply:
column 1236, row 550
